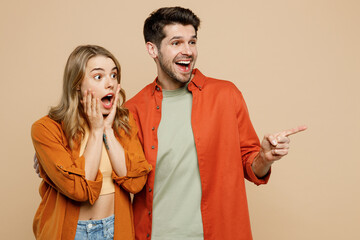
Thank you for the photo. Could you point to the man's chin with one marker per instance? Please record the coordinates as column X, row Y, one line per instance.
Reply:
column 184, row 80
column 187, row 77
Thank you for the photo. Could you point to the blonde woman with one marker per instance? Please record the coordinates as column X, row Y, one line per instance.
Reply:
column 89, row 154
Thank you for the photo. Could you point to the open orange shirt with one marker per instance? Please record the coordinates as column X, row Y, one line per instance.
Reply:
column 226, row 145
column 64, row 186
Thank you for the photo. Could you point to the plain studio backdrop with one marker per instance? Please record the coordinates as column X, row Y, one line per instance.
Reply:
column 296, row 62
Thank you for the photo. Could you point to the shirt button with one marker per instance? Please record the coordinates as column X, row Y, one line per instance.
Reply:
column 157, row 88
column 153, row 128
column 150, row 189
column 147, row 235
column 152, row 147
column 149, row 212
column 158, row 107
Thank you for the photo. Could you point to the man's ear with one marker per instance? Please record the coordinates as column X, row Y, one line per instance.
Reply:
column 152, row 49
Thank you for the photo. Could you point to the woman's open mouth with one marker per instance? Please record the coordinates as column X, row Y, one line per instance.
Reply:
column 107, row 101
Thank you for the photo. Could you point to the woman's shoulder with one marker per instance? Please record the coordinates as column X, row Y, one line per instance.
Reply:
column 127, row 135
column 46, row 121
column 132, row 122
column 46, row 125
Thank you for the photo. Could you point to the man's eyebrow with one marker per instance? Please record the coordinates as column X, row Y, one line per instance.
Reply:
column 180, row 37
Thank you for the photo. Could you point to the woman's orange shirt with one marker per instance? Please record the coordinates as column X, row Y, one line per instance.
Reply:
column 64, row 186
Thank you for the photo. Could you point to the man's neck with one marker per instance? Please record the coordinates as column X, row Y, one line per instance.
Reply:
column 167, row 83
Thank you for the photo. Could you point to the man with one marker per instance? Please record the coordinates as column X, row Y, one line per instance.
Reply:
column 197, row 134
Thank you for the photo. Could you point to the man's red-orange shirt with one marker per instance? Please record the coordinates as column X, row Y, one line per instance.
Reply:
column 226, row 145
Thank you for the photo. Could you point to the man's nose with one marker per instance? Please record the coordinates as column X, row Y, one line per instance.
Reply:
column 187, row 50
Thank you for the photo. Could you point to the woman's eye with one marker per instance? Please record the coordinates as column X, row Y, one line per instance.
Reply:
column 113, row 75
column 97, row 77
column 175, row 43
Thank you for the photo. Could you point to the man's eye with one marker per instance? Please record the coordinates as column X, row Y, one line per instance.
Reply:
column 97, row 77
column 175, row 43
column 192, row 42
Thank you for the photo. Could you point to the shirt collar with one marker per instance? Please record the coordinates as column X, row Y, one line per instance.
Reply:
column 197, row 82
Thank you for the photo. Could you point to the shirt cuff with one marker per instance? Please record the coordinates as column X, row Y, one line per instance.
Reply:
column 252, row 177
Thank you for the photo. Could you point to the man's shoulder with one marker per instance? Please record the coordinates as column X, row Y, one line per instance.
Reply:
column 141, row 95
column 140, row 99
column 223, row 90
column 216, row 83
column 220, row 86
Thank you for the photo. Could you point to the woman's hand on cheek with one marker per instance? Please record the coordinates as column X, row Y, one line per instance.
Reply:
column 92, row 111
column 109, row 120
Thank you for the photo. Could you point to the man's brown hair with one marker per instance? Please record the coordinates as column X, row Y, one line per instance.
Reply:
column 155, row 23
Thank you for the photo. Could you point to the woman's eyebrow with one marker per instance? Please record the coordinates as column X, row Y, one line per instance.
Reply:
column 101, row 69
column 97, row 69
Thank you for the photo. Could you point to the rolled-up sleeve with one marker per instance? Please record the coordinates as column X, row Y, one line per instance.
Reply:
column 250, row 175
column 249, row 141
column 57, row 165
column 136, row 164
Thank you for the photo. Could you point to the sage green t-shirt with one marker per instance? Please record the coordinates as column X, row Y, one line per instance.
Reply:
column 177, row 189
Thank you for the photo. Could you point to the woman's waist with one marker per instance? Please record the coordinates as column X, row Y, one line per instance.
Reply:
column 102, row 208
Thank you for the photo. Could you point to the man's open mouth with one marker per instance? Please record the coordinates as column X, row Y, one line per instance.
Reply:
column 184, row 65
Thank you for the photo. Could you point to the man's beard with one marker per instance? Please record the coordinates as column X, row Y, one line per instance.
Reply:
column 167, row 69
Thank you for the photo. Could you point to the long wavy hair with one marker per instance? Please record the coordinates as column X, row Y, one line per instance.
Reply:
column 69, row 112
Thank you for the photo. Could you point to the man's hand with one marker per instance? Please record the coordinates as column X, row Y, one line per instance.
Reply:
column 273, row 148
column 36, row 165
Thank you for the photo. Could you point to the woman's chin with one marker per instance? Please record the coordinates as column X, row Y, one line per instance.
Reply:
column 105, row 112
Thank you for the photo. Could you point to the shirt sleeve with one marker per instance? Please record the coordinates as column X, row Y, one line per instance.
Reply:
column 136, row 164
column 249, row 141
column 58, row 168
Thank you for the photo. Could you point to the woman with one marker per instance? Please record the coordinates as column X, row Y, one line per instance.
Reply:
column 89, row 154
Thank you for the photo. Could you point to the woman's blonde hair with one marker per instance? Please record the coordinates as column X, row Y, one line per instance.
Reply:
column 69, row 112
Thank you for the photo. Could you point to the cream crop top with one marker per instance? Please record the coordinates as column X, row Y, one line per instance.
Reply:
column 108, row 185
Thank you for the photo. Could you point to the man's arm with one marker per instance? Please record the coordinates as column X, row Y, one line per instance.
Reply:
column 273, row 148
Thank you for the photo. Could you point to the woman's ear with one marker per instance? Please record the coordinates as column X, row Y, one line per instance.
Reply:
column 152, row 49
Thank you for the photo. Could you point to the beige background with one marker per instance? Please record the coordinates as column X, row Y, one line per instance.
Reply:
column 296, row 62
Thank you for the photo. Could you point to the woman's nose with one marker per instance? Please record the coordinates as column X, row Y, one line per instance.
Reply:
column 109, row 83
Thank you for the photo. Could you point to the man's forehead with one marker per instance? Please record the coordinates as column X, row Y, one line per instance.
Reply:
column 177, row 30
